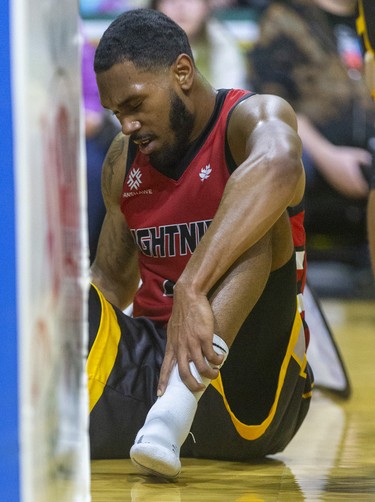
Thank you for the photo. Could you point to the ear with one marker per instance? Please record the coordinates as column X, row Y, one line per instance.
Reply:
column 184, row 70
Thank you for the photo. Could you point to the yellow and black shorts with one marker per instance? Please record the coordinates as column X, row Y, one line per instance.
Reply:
column 251, row 410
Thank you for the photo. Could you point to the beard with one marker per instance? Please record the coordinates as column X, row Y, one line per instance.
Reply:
column 181, row 122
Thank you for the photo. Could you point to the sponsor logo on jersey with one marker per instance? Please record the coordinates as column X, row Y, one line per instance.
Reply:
column 205, row 172
column 134, row 179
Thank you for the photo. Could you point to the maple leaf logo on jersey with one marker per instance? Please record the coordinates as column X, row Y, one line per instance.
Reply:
column 134, row 180
column 205, row 172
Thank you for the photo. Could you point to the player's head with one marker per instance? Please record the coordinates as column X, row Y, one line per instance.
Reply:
column 147, row 38
column 146, row 76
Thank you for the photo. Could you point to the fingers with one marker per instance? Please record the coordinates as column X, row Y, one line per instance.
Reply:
column 165, row 372
column 205, row 366
column 213, row 358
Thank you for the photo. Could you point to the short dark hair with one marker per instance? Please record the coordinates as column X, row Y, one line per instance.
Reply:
column 147, row 38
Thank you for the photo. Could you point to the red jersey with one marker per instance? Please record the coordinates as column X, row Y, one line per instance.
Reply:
column 167, row 217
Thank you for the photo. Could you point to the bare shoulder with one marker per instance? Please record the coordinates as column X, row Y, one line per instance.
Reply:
column 259, row 108
column 261, row 120
column 114, row 169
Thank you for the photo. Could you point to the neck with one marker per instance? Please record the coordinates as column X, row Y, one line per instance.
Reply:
column 203, row 102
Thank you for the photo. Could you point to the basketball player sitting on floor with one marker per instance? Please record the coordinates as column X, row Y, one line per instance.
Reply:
column 203, row 192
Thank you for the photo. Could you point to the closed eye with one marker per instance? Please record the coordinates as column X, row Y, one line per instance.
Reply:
column 134, row 106
column 127, row 108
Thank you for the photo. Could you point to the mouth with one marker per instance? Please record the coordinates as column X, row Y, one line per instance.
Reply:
column 144, row 144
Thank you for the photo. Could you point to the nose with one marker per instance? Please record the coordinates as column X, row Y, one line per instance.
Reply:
column 130, row 126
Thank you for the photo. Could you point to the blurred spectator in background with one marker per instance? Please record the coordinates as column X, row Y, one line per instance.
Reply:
column 308, row 52
column 217, row 54
column 258, row 5
column 222, row 4
column 100, row 130
column 366, row 28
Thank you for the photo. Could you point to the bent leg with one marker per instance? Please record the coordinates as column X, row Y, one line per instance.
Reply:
column 237, row 294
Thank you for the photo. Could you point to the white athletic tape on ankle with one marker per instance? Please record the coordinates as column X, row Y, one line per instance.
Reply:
column 220, row 347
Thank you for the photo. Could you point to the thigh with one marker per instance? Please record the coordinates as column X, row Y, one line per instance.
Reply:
column 123, row 366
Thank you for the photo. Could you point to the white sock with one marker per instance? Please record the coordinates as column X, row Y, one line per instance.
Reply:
column 169, row 420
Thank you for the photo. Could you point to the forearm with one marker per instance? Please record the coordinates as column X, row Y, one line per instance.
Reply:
column 251, row 205
column 115, row 268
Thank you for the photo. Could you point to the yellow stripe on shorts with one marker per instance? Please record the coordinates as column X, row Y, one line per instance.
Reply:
column 295, row 348
column 103, row 353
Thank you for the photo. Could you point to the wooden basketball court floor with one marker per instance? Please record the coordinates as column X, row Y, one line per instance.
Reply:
column 332, row 457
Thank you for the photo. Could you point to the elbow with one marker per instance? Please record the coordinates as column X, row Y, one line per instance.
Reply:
column 284, row 175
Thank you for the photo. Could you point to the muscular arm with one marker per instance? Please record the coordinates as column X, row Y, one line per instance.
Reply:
column 264, row 143
column 115, row 269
